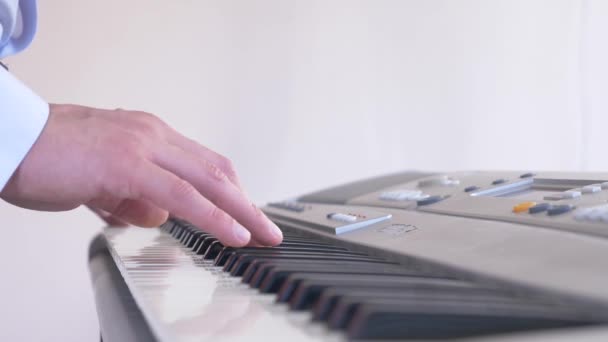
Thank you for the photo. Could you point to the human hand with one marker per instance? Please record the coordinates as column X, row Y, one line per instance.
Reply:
column 138, row 169
column 108, row 218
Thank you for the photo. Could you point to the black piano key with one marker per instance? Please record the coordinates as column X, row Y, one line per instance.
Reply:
column 182, row 229
column 174, row 229
column 207, row 241
column 167, row 226
column 178, row 228
column 330, row 296
column 184, row 240
column 193, row 238
column 177, row 234
column 392, row 320
column 244, row 261
column 188, row 231
column 433, row 298
column 256, row 275
column 201, row 247
column 258, row 268
column 292, row 234
column 191, row 233
column 240, row 263
column 199, row 241
column 232, row 256
column 308, row 292
column 214, row 249
column 307, row 287
column 285, row 246
column 276, row 276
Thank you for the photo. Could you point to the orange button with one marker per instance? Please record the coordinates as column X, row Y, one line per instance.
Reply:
column 524, row 206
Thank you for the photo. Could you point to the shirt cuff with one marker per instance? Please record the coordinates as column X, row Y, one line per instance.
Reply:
column 23, row 115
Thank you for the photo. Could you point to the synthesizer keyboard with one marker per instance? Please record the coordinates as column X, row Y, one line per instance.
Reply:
column 489, row 256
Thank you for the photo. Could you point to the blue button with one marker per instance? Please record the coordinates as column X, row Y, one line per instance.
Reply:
column 430, row 200
column 499, row 181
column 471, row 188
column 527, row 175
column 559, row 209
column 539, row 208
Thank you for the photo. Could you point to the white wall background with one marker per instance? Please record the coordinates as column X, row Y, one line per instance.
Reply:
column 305, row 94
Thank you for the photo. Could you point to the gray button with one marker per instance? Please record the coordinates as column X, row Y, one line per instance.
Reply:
column 594, row 214
column 452, row 182
column 563, row 195
column 553, row 197
column 288, row 205
column 441, row 180
column 527, row 175
column 471, row 188
column 499, row 181
column 589, row 189
column 342, row 222
column 539, row 208
column 571, row 194
column 559, row 209
column 402, row 195
column 430, row 200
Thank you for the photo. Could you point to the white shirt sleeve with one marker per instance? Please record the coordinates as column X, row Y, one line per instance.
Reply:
column 23, row 115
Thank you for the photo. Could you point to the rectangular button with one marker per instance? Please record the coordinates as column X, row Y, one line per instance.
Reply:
column 287, row 205
column 333, row 219
column 589, row 189
column 342, row 217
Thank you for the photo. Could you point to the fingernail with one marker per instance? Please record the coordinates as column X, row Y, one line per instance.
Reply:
column 241, row 233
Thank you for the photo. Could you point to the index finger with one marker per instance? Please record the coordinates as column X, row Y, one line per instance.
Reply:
column 180, row 198
column 210, row 181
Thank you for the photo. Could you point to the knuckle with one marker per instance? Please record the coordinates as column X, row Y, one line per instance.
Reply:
column 215, row 172
column 217, row 213
column 218, row 216
column 148, row 117
column 147, row 124
column 257, row 211
column 228, row 167
column 182, row 189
